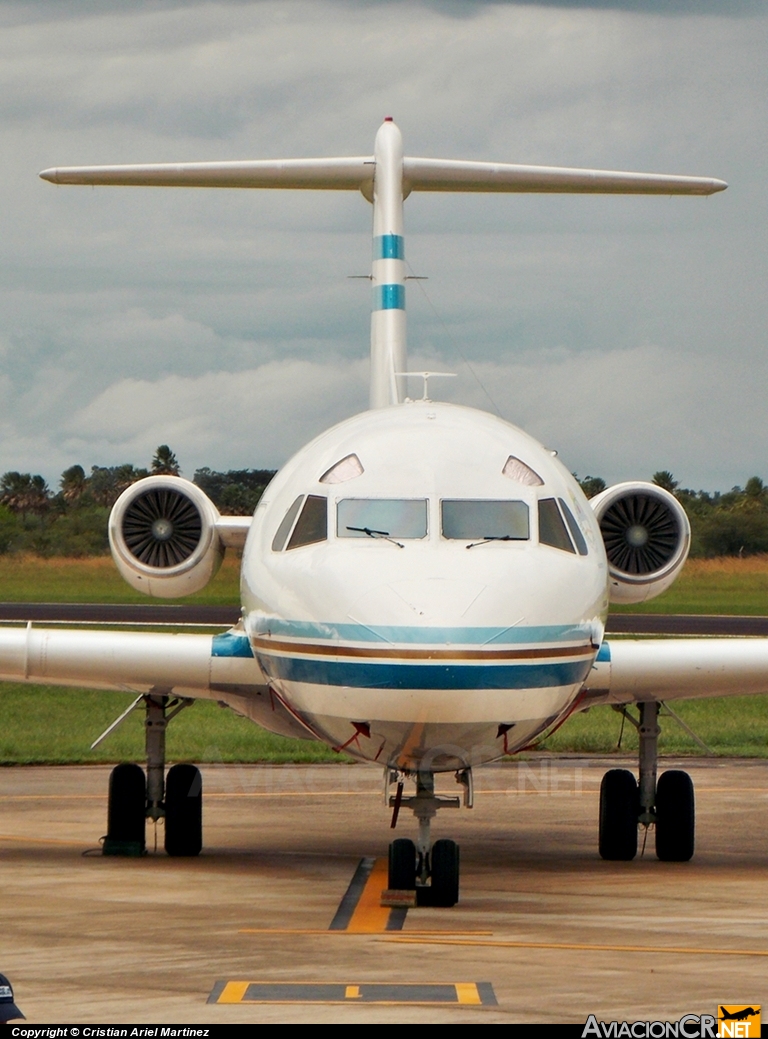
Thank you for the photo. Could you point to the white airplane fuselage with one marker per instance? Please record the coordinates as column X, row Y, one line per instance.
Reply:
column 433, row 648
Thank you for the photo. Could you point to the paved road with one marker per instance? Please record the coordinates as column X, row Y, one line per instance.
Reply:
column 224, row 616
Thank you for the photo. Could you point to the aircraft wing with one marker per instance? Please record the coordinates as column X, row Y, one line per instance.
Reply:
column 634, row 670
column 199, row 667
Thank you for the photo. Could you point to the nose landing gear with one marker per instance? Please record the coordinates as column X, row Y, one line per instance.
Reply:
column 667, row 804
column 430, row 870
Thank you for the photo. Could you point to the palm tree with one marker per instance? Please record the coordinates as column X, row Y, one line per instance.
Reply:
column 24, row 493
column 73, row 483
column 165, row 462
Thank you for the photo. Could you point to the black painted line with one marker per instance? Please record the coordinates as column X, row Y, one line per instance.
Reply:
column 397, row 915
column 348, row 904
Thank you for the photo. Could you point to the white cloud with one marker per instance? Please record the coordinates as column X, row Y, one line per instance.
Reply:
column 249, row 419
column 115, row 296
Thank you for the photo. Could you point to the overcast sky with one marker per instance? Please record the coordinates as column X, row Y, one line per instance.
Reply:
column 628, row 333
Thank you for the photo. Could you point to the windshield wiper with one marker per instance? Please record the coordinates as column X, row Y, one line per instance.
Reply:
column 376, row 534
column 493, row 537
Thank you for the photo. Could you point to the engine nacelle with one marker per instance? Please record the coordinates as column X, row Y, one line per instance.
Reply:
column 647, row 537
column 163, row 536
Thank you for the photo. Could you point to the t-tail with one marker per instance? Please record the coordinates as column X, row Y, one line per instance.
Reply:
column 386, row 178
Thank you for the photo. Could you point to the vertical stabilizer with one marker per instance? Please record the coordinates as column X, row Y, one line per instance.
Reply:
column 388, row 348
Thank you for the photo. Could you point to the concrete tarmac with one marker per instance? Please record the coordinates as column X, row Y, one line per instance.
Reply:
column 558, row 933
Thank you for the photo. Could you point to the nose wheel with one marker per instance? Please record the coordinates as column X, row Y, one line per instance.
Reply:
column 430, row 870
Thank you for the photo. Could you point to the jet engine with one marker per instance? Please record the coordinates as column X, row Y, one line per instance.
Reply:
column 646, row 535
column 164, row 538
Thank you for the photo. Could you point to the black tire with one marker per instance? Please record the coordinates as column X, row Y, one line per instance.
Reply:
column 444, row 863
column 675, row 817
column 183, row 811
column 126, row 811
column 619, row 811
column 402, row 865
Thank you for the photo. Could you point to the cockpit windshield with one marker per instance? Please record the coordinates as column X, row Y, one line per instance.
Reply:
column 381, row 518
column 468, row 520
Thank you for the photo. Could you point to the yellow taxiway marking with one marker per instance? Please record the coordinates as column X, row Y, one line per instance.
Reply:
column 467, row 993
column 580, row 946
column 370, row 917
column 233, row 992
column 310, row 930
column 381, row 993
column 46, row 840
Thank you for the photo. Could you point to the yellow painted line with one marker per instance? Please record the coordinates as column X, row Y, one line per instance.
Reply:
column 580, row 946
column 46, row 840
column 352, row 992
column 370, row 917
column 309, row 930
column 466, row 993
column 52, row 797
column 233, row 992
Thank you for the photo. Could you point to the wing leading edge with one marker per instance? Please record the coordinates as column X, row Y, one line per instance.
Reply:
column 635, row 670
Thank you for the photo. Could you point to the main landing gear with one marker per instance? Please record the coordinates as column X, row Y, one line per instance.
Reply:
column 176, row 797
column 668, row 804
column 429, row 870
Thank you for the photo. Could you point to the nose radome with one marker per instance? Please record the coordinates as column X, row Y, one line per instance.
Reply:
column 434, row 601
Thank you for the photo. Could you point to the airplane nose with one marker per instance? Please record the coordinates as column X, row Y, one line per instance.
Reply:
column 434, row 601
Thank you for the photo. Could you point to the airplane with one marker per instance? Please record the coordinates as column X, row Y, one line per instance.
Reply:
column 424, row 586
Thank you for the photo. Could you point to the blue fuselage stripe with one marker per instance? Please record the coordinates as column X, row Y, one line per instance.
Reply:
column 425, row 676
column 389, row 297
column 389, row 247
column 392, row 634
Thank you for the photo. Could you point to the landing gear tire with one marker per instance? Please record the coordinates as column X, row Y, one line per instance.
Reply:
column 444, row 863
column 619, row 811
column 126, row 811
column 183, row 811
column 675, row 817
column 402, row 865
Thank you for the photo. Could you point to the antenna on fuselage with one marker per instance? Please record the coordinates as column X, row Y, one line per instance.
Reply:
column 426, row 376
column 386, row 179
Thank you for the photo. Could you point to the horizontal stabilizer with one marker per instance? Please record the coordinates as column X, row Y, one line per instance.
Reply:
column 332, row 174
column 450, row 175
column 356, row 174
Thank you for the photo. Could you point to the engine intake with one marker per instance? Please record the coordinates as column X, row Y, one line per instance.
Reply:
column 163, row 536
column 647, row 537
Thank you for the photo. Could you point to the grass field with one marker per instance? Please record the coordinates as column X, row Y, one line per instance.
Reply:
column 728, row 585
column 27, row 578
column 48, row 725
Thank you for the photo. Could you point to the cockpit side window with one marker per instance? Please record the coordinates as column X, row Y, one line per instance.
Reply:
column 381, row 518
column 468, row 520
column 281, row 535
column 312, row 524
column 551, row 527
column 578, row 537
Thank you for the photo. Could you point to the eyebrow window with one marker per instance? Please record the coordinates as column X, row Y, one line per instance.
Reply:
column 312, row 524
column 467, row 520
column 551, row 527
column 347, row 469
column 281, row 536
column 578, row 537
column 515, row 469
column 381, row 517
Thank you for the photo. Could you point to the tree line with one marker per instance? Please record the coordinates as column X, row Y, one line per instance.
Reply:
column 72, row 521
